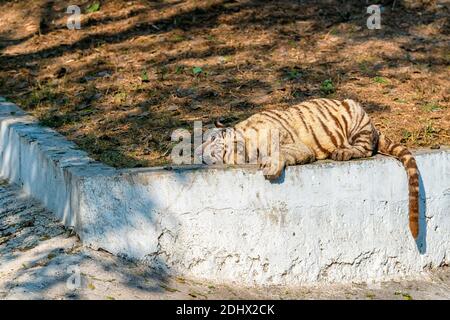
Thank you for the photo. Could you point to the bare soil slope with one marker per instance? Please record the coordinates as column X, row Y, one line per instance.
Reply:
column 138, row 70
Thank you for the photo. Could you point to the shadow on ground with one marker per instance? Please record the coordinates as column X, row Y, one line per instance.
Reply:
column 41, row 259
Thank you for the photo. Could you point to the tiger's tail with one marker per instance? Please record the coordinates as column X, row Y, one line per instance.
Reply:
column 386, row 146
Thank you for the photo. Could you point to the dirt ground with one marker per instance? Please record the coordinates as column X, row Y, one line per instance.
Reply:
column 138, row 70
column 40, row 259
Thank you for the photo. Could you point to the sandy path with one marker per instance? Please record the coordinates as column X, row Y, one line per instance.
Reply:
column 40, row 259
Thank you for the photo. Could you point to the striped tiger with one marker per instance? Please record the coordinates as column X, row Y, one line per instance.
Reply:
column 313, row 130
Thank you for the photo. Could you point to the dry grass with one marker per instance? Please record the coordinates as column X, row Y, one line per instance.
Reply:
column 137, row 70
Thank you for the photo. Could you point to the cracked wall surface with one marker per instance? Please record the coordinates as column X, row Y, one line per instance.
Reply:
column 324, row 222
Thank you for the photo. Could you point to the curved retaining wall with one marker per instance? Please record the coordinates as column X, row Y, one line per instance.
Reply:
column 326, row 221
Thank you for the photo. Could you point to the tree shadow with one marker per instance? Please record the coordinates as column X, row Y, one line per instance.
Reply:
column 421, row 241
column 46, row 14
column 229, row 87
column 38, row 252
column 4, row 43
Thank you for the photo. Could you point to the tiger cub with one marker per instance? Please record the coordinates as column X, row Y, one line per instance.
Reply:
column 313, row 130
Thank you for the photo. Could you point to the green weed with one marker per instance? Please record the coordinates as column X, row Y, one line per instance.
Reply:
column 93, row 7
column 327, row 87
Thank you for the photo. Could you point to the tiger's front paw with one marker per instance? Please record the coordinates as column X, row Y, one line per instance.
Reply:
column 271, row 169
column 341, row 154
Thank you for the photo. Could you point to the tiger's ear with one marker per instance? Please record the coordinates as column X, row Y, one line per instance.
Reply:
column 219, row 124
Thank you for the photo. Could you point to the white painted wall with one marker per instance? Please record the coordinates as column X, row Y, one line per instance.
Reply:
column 323, row 222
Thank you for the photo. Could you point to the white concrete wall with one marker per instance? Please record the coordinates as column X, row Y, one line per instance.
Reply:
column 323, row 222
column 37, row 158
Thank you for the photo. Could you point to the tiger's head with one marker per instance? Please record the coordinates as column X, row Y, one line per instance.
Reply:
column 218, row 146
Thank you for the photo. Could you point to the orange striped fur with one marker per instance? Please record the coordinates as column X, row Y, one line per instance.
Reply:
column 314, row 130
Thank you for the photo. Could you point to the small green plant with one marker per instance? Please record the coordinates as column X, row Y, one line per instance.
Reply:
column 400, row 100
column 177, row 38
column 55, row 120
column 144, row 76
column 293, row 43
column 197, row 70
column 120, row 97
column 429, row 130
column 327, row 87
column 406, row 296
column 370, row 296
column 366, row 64
column 406, row 135
column 293, row 75
column 334, row 31
column 446, row 56
column 225, row 59
column 40, row 94
column 380, row 80
column 93, row 7
column 364, row 67
column 429, row 107
column 179, row 69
